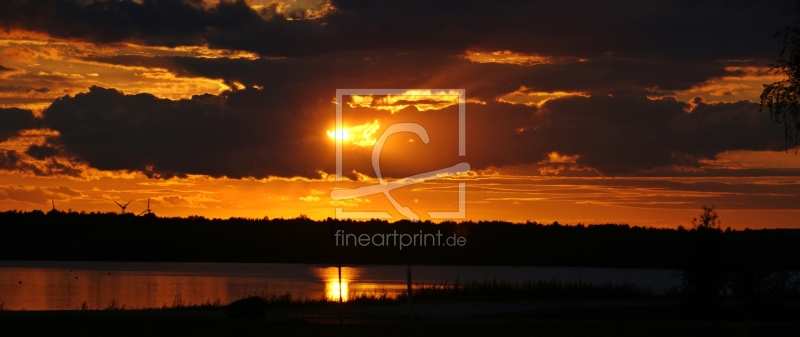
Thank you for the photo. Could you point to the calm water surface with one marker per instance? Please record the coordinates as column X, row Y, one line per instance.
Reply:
column 42, row 285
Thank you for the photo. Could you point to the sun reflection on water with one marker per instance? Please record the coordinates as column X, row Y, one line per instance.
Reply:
column 332, row 289
column 330, row 276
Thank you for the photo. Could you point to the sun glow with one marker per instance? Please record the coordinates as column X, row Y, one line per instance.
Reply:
column 359, row 135
column 339, row 134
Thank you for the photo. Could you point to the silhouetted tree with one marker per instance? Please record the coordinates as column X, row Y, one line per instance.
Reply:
column 709, row 220
column 782, row 98
column 704, row 269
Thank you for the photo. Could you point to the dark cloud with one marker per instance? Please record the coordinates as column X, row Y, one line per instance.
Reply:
column 53, row 167
column 14, row 120
column 42, row 152
column 5, row 69
column 629, row 134
column 616, row 52
column 239, row 134
column 228, row 24
column 635, row 29
column 208, row 134
column 296, row 79
column 614, row 136
column 164, row 22
column 11, row 160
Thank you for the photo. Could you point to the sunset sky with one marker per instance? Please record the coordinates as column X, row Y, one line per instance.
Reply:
column 635, row 112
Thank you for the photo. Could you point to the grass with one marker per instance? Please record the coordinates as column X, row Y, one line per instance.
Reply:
column 477, row 291
column 177, row 303
column 527, row 291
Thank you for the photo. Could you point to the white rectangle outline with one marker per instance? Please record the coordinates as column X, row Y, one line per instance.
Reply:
column 462, row 149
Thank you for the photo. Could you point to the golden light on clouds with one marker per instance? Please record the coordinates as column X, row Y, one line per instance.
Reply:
column 737, row 160
column 507, row 57
column 45, row 68
column 422, row 100
column 290, row 9
column 525, row 96
column 556, row 163
column 16, row 161
column 744, row 83
column 26, row 138
column 554, row 157
column 195, row 51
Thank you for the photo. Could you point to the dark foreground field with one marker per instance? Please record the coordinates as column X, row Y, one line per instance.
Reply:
column 566, row 322
column 189, row 327
column 660, row 320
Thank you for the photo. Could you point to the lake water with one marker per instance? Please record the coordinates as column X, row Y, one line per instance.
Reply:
column 44, row 285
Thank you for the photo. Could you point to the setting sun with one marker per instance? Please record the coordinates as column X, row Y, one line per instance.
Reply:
column 359, row 135
column 339, row 134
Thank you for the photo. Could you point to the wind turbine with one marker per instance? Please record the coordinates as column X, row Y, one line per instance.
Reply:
column 147, row 211
column 54, row 210
column 123, row 207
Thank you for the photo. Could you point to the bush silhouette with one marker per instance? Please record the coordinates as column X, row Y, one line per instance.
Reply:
column 718, row 262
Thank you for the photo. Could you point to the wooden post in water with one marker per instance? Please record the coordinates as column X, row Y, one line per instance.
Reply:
column 341, row 309
column 408, row 274
column 336, row 229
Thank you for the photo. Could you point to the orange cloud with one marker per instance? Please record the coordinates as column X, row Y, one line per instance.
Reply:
column 423, row 100
column 526, row 96
column 507, row 57
column 744, row 83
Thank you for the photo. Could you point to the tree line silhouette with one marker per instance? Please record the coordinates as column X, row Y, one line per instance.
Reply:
column 124, row 237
